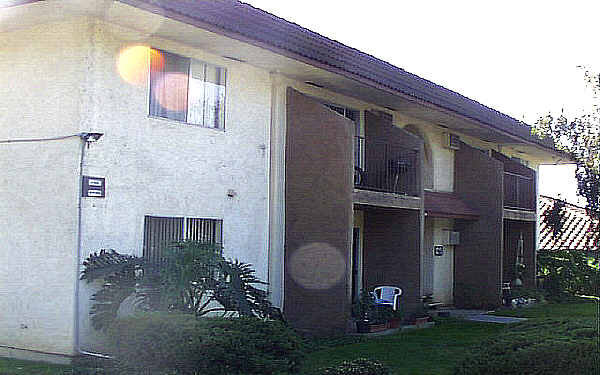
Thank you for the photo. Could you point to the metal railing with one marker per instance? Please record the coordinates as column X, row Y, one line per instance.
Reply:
column 519, row 191
column 385, row 168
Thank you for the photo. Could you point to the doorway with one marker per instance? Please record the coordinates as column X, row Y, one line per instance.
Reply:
column 356, row 275
column 443, row 262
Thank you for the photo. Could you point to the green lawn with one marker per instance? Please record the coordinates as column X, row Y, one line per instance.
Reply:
column 438, row 350
column 16, row 367
column 424, row 351
column 435, row 350
column 584, row 308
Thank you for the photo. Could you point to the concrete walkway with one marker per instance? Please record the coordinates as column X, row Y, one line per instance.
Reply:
column 481, row 316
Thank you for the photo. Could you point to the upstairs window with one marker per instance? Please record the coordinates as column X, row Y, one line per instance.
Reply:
column 187, row 90
column 160, row 232
column 359, row 140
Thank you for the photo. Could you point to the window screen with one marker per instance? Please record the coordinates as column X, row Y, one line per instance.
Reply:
column 160, row 232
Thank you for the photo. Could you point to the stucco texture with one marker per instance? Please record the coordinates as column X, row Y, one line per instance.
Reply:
column 40, row 71
column 63, row 79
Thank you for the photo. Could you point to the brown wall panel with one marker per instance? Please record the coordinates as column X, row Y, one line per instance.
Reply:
column 318, row 215
column 392, row 253
column 478, row 180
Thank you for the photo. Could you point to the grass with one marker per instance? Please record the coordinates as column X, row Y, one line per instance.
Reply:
column 17, row 367
column 440, row 349
column 427, row 351
column 436, row 350
column 582, row 308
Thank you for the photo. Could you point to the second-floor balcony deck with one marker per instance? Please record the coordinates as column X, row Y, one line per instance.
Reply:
column 519, row 191
column 385, row 168
column 519, row 184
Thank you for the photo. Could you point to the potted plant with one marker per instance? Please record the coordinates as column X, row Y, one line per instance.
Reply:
column 369, row 316
column 395, row 319
column 420, row 317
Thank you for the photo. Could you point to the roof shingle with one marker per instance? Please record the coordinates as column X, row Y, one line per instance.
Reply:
column 575, row 228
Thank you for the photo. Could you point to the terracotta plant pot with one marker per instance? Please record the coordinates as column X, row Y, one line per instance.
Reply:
column 421, row 321
column 366, row 327
column 377, row 327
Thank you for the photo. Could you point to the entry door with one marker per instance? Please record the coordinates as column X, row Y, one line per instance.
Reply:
column 356, row 264
column 443, row 275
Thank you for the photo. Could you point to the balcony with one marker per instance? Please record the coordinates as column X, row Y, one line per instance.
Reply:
column 387, row 168
column 519, row 192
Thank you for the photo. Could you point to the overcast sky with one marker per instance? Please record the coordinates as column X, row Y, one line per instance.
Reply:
column 519, row 57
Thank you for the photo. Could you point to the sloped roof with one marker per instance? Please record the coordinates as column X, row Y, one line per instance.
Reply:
column 253, row 25
column 439, row 204
column 14, row 3
column 575, row 228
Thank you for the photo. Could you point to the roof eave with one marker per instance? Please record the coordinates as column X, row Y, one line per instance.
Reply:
column 154, row 8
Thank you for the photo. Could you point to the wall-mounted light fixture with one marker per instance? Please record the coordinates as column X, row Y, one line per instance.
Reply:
column 91, row 137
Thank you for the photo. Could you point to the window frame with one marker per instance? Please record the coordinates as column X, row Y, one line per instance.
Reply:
column 183, row 234
column 358, row 148
column 149, row 98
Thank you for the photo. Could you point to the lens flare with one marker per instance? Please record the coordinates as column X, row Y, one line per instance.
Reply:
column 170, row 91
column 317, row 265
column 133, row 64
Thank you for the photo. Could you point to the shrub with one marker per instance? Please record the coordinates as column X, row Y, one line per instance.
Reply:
column 367, row 310
column 360, row 366
column 546, row 347
column 567, row 272
column 192, row 277
column 180, row 343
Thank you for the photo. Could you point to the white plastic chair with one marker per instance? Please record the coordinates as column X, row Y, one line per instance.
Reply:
column 387, row 295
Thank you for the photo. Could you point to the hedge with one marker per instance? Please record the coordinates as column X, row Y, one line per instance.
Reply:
column 158, row 343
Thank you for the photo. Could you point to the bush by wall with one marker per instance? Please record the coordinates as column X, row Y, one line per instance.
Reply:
column 571, row 272
column 158, row 343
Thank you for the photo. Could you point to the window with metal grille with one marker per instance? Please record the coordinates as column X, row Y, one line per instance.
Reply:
column 160, row 232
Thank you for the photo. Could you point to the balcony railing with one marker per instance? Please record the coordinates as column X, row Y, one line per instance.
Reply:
column 519, row 191
column 385, row 168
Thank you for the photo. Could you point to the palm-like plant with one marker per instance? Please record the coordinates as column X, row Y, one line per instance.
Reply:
column 193, row 277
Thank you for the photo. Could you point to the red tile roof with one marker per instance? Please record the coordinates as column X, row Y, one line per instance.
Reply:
column 575, row 229
column 438, row 204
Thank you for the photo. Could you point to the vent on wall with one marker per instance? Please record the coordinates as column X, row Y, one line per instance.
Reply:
column 451, row 141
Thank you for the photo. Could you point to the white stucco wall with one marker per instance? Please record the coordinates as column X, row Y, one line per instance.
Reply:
column 441, row 157
column 40, row 69
column 58, row 79
column 161, row 167
column 443, row 163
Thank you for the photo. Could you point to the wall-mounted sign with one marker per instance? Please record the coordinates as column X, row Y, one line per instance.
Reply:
column 93, row 187
column 438, row 250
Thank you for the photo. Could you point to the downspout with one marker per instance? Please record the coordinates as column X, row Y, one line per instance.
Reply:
column 86, row 138
column 84, row 142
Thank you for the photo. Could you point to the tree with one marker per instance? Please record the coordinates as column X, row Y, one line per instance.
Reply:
column 580, row 138
column 572, row 271
column 555, row 217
